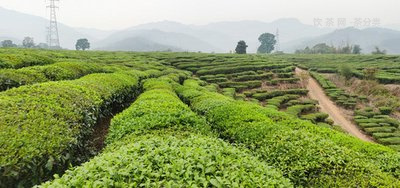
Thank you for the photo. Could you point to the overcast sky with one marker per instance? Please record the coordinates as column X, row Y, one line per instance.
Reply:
column 118, row 14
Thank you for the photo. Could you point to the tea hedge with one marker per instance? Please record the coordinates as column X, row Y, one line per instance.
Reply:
column 140, row 156
column 159, row 107
column 172, row 159
column 307, row 154
column 10, row 78
column 43, row 126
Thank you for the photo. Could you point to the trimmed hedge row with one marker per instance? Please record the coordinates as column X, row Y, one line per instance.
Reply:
column 383, row 128
column 272, row 94
column 241, row 85
column 43, row 126
column 172, row 159
column 140, row 157
column 240, row 68
column 338, row 95
column 16, row 61
column 10, row 78
column 159, row 107
column 308, row 155
column 254, row 77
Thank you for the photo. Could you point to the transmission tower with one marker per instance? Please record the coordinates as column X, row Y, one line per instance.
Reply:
column 52, row 30
column 278, row 41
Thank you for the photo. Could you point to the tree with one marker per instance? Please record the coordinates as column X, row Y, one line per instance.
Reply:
column 268, row 42
column 378, row 51
column 241, row 47
column 8, row 44
column 357, row 49
column 82, row 44
column 346, row 72
column 28, row 42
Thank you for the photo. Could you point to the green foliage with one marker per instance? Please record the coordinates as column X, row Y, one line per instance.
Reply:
column 28, row 42
column 8, row 44
column 272, row 94
column 241, row 47
column 157, row 108
column 172, row 159
column 82, row 44
column 49, row 122
column 331, row 158
column 356, row 49
column 268, row 42
column 10, row 78
column 346, row 72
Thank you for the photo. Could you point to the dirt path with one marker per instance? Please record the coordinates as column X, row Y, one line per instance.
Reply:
column 329, row 107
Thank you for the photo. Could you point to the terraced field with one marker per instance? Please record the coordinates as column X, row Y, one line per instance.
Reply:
column 176, row 120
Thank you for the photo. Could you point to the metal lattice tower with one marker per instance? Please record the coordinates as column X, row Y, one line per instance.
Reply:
column 52, row 36
column 278, row 42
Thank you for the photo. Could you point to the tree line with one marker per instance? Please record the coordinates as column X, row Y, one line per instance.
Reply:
column 29, row 42
column 267, row 41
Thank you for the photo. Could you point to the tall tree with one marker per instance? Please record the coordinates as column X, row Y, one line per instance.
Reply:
column 241, row 47
column 82, row 44
column 8, row 44
column 28, row 42
column 357, row 49
column 268, row 42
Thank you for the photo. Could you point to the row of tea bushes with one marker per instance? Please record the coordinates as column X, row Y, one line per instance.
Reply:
column 338, row 95
column 308, row 155
column 19, row 60
column 263, row 95
column 10, row 78
column 43, row 126
column 150, row 148
column 382, row 127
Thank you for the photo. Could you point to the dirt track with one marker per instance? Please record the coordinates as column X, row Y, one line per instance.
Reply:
column 316, row 92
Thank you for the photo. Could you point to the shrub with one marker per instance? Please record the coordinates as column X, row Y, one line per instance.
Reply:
column 10, row 78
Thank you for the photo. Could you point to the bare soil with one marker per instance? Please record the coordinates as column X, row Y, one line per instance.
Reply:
column 336, row 113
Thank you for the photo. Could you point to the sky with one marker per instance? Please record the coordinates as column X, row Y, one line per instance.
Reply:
column 119, row 14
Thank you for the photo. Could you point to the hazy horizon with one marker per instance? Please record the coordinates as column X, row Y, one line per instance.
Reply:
column 127, row 13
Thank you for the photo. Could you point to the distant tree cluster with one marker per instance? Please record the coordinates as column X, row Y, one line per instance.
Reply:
column 27, row 42
column 323, row 48
column 268, row 42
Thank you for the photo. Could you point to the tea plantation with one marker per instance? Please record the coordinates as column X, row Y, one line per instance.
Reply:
column 185, row 120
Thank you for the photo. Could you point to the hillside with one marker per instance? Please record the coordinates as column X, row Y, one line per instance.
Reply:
column 366, row 38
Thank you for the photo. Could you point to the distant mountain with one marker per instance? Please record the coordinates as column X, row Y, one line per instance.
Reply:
column 170, row 39
column 97, row 34
column 387, row 39
column 225, row 35
column 19, row 25
column 138, row 44
column 213, row 37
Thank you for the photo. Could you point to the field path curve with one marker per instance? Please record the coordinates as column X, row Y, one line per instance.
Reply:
column 316, row 92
